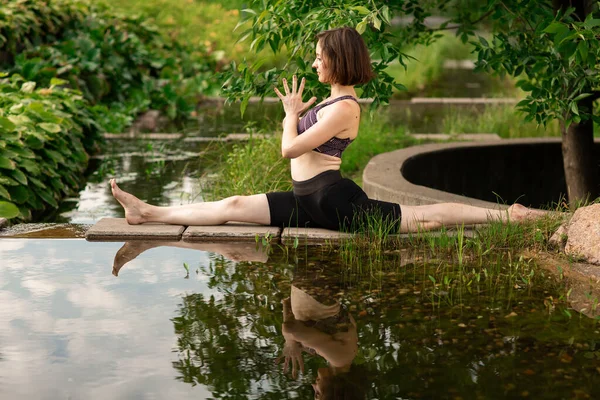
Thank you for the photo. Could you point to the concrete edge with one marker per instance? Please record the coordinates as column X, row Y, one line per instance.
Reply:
column 378, row 185
column 133, row 236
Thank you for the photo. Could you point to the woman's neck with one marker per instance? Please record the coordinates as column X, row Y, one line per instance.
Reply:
column 339, row 91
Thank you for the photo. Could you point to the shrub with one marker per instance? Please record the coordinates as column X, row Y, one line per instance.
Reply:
column 42, row 156
column 123, row 62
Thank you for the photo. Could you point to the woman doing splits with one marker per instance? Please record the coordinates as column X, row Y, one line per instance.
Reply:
column 314, row 142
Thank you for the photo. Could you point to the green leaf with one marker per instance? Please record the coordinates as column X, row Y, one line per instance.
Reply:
column 574, row 108
column 47, row 197
column 8, row 210
column 30, row 167
column 37, row 182
column 583, row 50
column 376, row 23
column 6, row 125
column 582, row 96
column 18, row 176
column 361, row 27
column 28, row 87
column 57, row 82
column 5, row 180
column 5, row 163
column 50, row 127
column 385, row 14
column 361, row 10
column 23, row 152
column 4, row 193
column 554, row 27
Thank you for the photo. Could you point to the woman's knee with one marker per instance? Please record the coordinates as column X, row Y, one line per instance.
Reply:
column 233, row 203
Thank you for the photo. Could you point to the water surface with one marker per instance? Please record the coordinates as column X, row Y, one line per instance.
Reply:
column 70, row 328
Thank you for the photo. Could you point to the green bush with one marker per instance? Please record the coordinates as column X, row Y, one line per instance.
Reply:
column 42, row 156
column 123, row 62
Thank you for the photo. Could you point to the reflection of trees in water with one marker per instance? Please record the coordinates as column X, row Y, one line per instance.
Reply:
column 407, row 348
column 229, row 342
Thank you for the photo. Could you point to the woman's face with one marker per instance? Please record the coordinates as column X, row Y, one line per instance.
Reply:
column 320, row 66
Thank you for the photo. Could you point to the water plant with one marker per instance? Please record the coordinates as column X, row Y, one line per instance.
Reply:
column 504, row 120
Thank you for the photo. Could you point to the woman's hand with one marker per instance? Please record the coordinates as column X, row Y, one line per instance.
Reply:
column 292, row 101
column 292, row 352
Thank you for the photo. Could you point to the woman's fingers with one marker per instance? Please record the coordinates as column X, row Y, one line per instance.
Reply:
column 286, row 87
column 301, row 86
column 278, row 93
column 294, row 84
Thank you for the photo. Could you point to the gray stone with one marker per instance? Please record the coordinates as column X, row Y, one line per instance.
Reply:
column 231, row 232
column 465, row 136
column 3, row 222
column 583, row 234
column 117, row 229
column 559, row 238
column 144, row 136
column 463, row 100
column 312, row 236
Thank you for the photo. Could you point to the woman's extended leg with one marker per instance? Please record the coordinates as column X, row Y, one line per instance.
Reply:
column 434, row 216
column 254, row 209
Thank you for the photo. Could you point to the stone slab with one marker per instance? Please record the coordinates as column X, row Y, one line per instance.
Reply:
column 312, row 236
column 230, row 232
column 117, row 229
column 3, row 222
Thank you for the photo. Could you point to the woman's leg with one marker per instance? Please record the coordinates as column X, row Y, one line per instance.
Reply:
column 435, row 216
column 254, row 209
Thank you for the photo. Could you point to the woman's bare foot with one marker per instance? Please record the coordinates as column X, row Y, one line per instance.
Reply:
column 135, row 209
column 520, row 213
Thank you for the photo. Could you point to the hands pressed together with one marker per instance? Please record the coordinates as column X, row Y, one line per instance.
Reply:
column 292, row 100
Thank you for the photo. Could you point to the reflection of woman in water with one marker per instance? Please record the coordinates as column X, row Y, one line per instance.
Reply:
column 328, row 331
column 314, row 140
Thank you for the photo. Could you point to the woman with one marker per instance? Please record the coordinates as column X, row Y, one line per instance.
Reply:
column 329, row 331
column 315, row 142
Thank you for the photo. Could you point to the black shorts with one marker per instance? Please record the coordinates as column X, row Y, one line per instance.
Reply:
column 332, row 202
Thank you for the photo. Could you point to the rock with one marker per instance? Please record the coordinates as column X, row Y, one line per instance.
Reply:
column 559, row 238
column 583, row 234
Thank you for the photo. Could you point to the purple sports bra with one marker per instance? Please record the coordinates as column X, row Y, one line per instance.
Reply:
column 334, row 146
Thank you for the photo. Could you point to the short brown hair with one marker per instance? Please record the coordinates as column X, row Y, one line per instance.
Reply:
column 347, row 56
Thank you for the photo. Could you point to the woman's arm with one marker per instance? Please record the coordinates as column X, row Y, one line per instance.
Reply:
column 340, row 117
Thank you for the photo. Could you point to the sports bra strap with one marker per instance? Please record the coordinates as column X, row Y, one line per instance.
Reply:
column 327, row 103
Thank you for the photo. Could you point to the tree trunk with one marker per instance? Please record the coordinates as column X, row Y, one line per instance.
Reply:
column 580, row 160
column 579, row 157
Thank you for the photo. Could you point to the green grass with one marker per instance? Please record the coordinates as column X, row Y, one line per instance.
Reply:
column 250, row 167
column 201, row 23
column 503, row 120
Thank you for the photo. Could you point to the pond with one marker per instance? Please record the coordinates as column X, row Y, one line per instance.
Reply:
column 186, row 322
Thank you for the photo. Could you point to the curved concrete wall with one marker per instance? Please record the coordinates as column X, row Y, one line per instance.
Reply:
column 529, row 171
